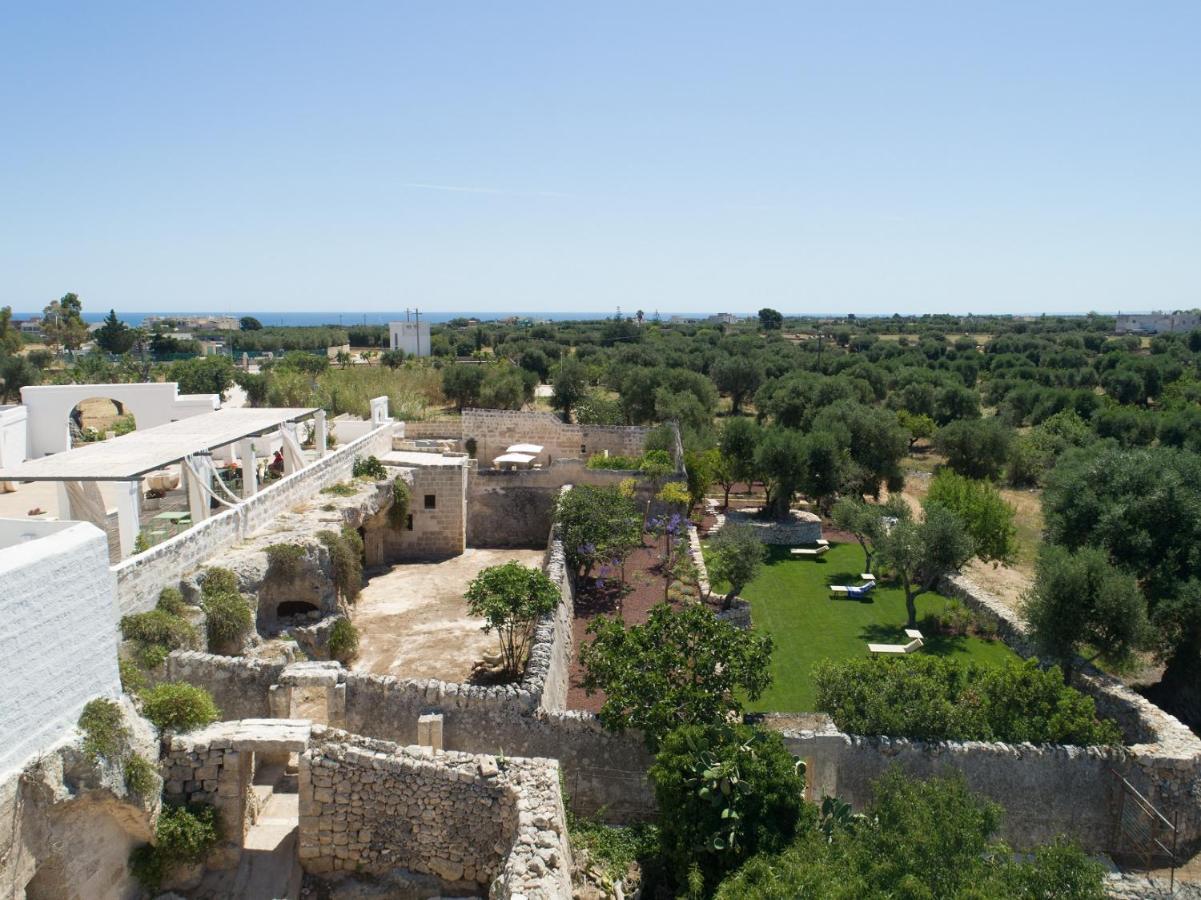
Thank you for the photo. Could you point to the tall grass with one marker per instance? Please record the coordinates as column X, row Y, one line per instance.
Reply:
column 414, row 392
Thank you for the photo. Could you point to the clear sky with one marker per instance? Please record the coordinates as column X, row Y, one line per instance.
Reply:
column 837, row 156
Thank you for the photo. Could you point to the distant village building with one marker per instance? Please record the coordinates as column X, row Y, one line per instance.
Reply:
column 1158, row 322
column 199, row 323
column 411, row 337
column 723, row 319
column 30, row 326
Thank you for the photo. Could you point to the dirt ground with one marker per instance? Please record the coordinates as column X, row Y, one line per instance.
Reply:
column 413, row 621
column 1008, row 583
column 643, row 589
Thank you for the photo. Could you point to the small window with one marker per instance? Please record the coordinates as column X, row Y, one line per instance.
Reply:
column 409, row 522
column 431, row 501
column 583, row 450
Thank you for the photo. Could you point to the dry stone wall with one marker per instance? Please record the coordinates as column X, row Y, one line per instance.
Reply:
column 473, row 821
column 1163, row 757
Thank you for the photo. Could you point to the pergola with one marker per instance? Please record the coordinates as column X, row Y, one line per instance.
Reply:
column 190, row 441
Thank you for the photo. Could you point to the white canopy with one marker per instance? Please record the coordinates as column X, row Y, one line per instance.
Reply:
column 525, row 448
column 132, row 455
column 516, row 458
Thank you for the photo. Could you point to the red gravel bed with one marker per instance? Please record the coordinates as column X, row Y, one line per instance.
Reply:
column 643, row 589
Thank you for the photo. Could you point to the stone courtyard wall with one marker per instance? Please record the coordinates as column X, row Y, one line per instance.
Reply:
column 140, row 578
column 495, row 430
column 473, row 821
column 370, row 807
column 1162, row 758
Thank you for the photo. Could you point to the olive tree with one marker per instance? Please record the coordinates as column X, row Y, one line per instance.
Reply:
column 922, row 552
column 1081, row 602
column 735, row 556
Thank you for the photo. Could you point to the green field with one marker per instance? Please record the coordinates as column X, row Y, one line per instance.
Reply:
column 790, row 601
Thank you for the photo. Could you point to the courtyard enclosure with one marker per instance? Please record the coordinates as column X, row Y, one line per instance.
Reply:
column 1047, row 790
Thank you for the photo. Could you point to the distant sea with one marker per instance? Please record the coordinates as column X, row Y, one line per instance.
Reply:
column 346, row 319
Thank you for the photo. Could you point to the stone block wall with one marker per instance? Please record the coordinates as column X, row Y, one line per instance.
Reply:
column 473, row 821
column 437, row 532
column 216, row 765
column 494, row 430
column 140, row 578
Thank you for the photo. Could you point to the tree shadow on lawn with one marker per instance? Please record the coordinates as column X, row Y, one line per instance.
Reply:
column 933, row 642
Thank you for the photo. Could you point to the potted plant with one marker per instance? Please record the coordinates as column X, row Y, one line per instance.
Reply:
column 154, row 498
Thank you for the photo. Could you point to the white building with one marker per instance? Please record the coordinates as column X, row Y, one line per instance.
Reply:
column 1157, row 322
column 411, row 337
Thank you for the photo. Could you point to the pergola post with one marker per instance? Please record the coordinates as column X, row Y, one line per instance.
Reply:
column 319, row 435
column 64, row 501
column 129, row 510
column 250, row 472
column 198, row 501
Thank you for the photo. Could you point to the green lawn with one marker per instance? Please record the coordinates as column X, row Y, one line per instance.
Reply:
column 790, row 601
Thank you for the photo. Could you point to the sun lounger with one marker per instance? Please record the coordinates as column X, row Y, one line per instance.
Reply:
column 854, row 590
column 914, row 644
column 822, row 547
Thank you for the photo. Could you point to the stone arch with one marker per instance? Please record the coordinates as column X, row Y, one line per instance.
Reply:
column 98, row 414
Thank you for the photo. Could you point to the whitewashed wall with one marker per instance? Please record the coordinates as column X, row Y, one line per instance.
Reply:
column 13, row 438
column 58, row 632
column 151, row 404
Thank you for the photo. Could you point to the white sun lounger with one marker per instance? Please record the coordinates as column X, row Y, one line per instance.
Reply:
column 914, row 644
column 822, row 547
column 854, row 590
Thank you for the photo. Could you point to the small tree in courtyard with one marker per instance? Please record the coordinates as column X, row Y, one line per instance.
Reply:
column 923, row 552
column 1081, row 600
column 596, row 524
column 735, row 556
column 683, row 667
column 511, row 598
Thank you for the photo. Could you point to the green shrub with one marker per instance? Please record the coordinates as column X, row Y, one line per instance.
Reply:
column 399, row 510
column 341, row 489
column 284, row 559
column 218, row 581
column 170, row 600
column 133, row 682
column 346, row 559
column 612, row 849
column 918, row 839
column 625, row 463
column 177, row 706
column 139, row 775
column 343, row 641
column 725, row 793
column 150, row 656
column 183, row 835
column 928, row 698
column 228, row 619
column 158, row 627
column 103, row 727
column 369, row 467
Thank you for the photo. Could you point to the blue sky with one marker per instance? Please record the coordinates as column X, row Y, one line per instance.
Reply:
column 869, row 157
